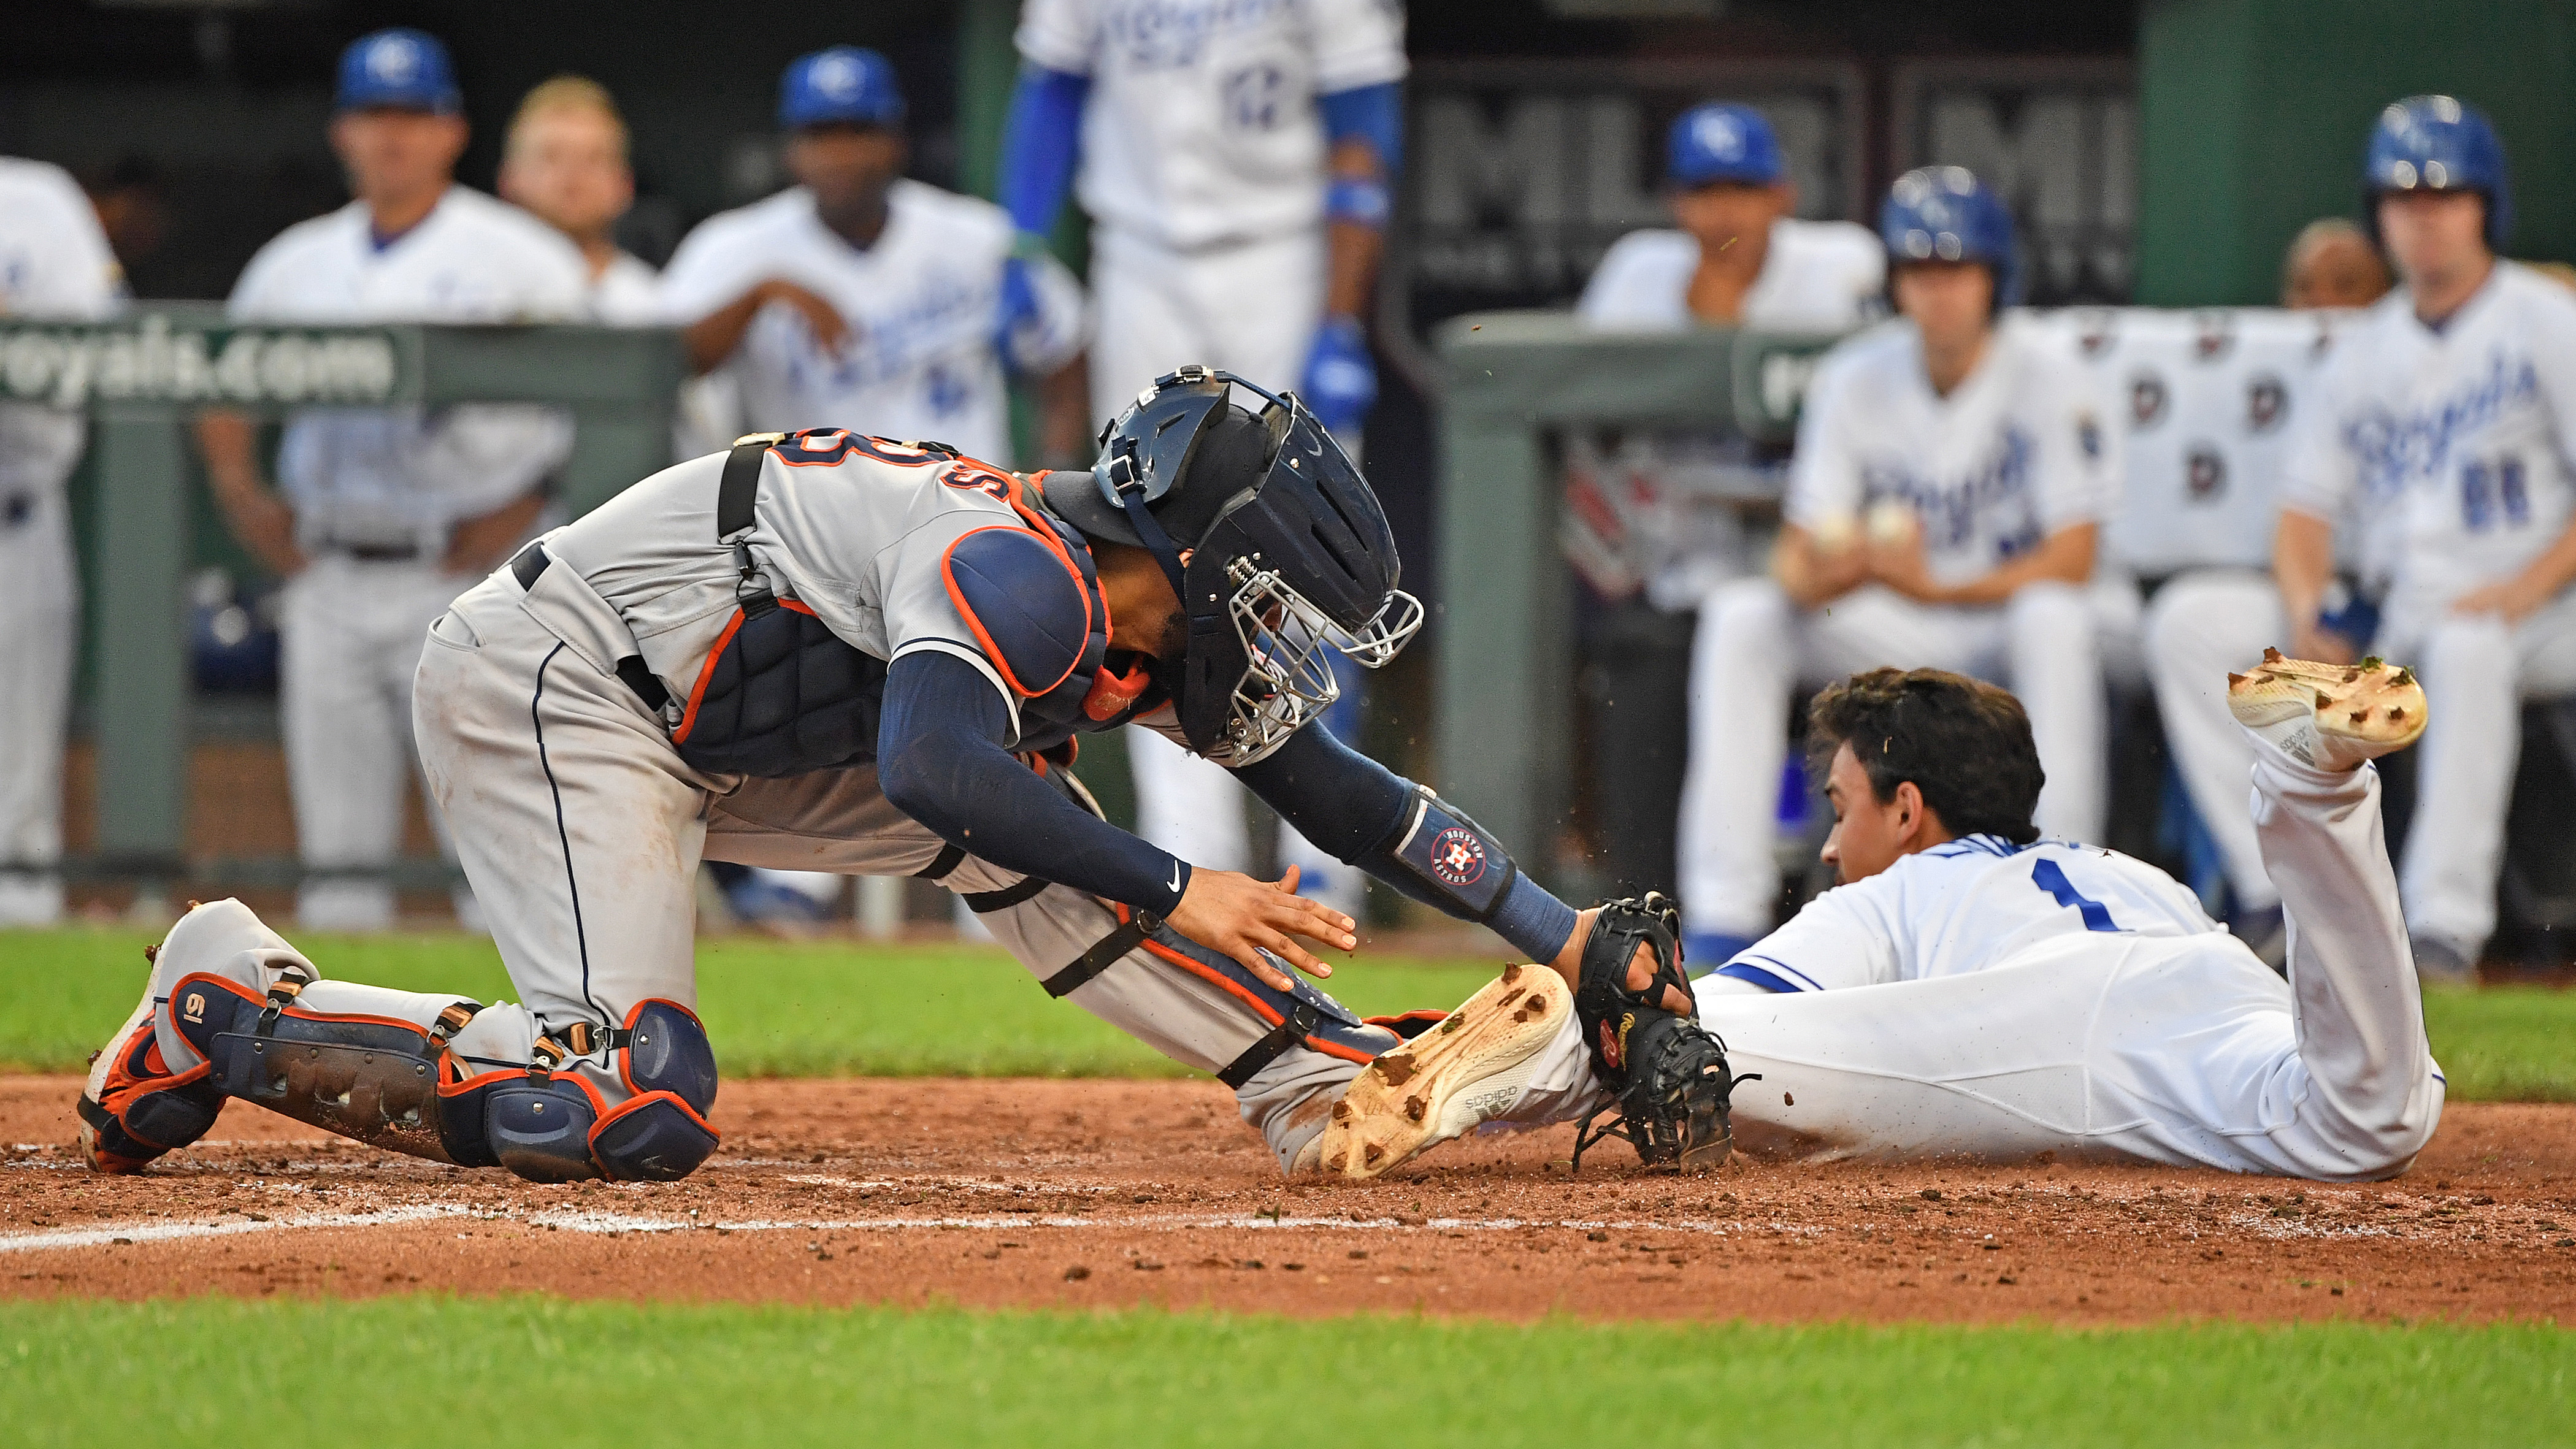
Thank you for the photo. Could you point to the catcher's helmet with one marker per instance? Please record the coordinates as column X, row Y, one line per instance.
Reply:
column 1945, row 214
column 1289, row 553
column 2434, row 143
column 1713, row 143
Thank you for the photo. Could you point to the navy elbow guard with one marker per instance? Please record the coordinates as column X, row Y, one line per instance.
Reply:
column 1466, row 870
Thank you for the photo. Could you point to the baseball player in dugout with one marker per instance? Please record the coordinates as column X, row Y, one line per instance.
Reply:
column 1238, row 172
column 2440, row 440
column 859, row 294
column 826, row 651
column 54, row 262
column 1943, row 508
column 565, row 163
column 382, row 516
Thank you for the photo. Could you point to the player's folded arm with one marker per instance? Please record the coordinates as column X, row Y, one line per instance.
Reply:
column 943, row 758
column 1364, row 815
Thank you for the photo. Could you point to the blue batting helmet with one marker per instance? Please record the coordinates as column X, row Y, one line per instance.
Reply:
column 400, row 69
column 840, row 86
column 1945, row 214
column 2433, row 143
column 1714, row 143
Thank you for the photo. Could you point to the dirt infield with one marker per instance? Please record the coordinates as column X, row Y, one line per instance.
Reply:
column 1058, row 1193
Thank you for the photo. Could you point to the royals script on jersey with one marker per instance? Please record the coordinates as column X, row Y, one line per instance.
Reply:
column 920, row 301
column 1201, row 127
column 2018, row 450
column 2462, row 432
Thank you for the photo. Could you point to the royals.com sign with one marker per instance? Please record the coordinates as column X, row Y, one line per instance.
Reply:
column 170, row 359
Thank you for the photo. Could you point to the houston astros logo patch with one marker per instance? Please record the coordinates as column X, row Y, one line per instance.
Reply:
column 1457, row 856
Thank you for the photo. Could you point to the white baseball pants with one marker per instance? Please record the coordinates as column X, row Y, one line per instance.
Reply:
column 349, row 635
column 39, row 627
column 1753, row 649
column 2185, row 1051
column 2200, row 628
column 1251, row 310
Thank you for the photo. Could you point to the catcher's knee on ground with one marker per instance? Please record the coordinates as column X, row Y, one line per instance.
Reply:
column 236, row 1012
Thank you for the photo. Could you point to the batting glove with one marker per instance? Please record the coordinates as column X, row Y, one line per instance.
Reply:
column 1341, row 380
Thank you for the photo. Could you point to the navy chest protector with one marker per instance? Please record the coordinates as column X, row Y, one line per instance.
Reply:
column 780, row 694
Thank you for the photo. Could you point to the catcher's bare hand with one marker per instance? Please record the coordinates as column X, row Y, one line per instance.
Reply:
column 1243, row 916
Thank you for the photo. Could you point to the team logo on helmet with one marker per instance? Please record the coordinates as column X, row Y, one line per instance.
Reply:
column 2205, row 473
column 2147, row 399
column 1457, row 856
column 2267, row 401
column 393, row 60
column 1721, row 134
column 836, row 75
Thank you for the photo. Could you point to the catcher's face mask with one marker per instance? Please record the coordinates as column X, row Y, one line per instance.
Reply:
column 1293, row 558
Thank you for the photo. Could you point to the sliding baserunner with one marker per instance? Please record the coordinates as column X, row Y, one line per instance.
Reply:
column 824, row 651
column 1973, row 989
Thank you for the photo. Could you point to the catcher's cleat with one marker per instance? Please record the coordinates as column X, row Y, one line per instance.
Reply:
column 134, row 1108
column 2330, row 716
column 1666, row 1074
column 1445, row 1080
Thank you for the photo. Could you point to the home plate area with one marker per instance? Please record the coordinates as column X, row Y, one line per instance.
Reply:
column 1102, row 1193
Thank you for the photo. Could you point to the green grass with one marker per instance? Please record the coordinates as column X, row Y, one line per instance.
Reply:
column 832, row 1009
column 774, row 1009
column 387, row 1373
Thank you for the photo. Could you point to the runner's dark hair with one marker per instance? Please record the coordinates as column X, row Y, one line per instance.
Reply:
column 1963, row 742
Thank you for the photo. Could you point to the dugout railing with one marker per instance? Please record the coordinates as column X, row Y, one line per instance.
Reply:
column 1514, row 382
column 144, row 375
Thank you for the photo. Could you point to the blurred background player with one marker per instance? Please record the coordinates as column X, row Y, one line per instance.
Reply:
column 1943, row 510
column 857, row 298
column 384, row 515
column 1237, row 164
column 1658, row 518
column 860, row 299
column 54, row 262
column 2332, row 263
column 565, row 163
column 2444, row 422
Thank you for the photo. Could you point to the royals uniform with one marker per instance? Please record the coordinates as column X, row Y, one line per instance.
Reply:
column 920, row 301
column 627, row 293
column 54, row 262
column 2017, row 452
column 376, row 492
column 1203, row 171
column 1996, row 1001
column 2463, row 436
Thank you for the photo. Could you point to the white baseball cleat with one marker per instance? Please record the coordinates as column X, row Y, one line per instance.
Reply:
column 2330, row 716
column 1471, row 1066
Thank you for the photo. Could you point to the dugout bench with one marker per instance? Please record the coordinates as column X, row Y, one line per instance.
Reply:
column 144, row 375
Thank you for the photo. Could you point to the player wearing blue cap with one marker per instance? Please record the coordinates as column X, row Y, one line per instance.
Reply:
column 1943, row 507
column 382, row 516
column 1238, row 164
column 2443, row 429
column 860, row 297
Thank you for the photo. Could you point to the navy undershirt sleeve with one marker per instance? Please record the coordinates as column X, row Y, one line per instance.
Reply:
column 1350, row 807
column 941, row 759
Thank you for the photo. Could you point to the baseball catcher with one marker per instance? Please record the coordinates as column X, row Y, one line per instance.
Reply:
column 826, row 651
column 1974, row 989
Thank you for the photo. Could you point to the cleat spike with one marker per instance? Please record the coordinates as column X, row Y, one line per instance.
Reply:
column 2272, row 656
column 1341, row 1111
column 1372, row 1153
column 1512, row 973
column 1414, row 1107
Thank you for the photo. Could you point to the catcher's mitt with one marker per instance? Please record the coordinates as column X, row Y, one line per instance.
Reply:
column 1666, row 1074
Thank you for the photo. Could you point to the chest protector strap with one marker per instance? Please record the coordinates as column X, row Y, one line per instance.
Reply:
column 779, row 693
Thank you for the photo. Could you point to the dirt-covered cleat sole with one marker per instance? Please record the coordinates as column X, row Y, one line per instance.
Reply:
column 2330, row 716
column 1445, row 1081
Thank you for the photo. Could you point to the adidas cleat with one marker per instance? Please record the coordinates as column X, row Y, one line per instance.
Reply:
column 1446, row 1080
column 2329, row 716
